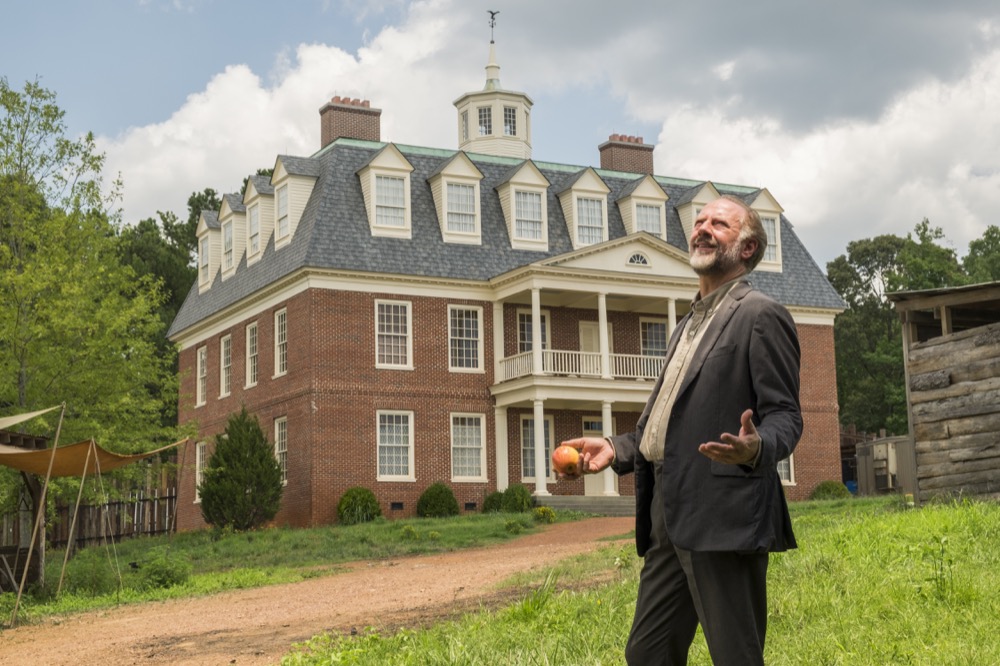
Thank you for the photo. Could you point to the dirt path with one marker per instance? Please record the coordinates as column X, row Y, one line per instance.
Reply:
column 259, row 626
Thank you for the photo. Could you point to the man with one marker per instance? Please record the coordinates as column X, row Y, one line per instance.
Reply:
column 709, row 503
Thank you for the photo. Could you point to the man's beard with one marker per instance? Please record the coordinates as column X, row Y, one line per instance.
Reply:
column 719, row 263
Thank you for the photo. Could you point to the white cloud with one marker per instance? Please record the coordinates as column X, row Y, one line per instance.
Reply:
column 724, row 71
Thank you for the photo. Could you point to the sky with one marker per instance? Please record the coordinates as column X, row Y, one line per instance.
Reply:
column 860, row 118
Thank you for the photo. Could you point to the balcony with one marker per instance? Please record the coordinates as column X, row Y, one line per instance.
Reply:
column 560, row 363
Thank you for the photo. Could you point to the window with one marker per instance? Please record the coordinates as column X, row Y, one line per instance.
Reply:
column 468, row 447
column 203, row 261
column 282, row 209
column 653, row 337
column 524, row 331
column 528, row 447
column 280, row 342
column 771, row 227
column 647, row 218
column 590, row 221
column 509, row 121
column 390, row 203
column 465, row 125
column 201, row 389
column 465, row 339
column 227, row 245
column 392, row 334
column 485, row 120
column 528, row 215
column 461, row 208
column 785, row 470
column 251, row 369
column 200, row 460
column 225, row 365
column 253, row 228
column 395, row 446
column 281, row 446
column 638, row 259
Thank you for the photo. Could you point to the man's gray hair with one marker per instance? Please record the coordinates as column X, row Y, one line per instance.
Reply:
column 753, row 228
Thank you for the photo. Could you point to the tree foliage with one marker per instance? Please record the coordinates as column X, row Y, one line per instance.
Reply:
column 982, row 263
column 241, row 488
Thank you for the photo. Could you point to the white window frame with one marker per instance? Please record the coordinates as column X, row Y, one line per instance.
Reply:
column 384, row 205
column 225, row 366
column 485, row 116
column 281, row 446
column 510, row 121
column 200, row 451
column 281, row 342
column 409, row 476
column 518, row 227
column 227, row 246
column 524, row 344
column 790, row 480
column 481, row 447
column 465, row 125
column 203, row 252
column 452, row 340
column 459, row 211
column 643, row 338
column 649, row 208
column 407, row 307
column 201, row 376
column 252, row 355
column 601, row 228
column 772, row 254
column 527, row 455
column 253, row 230
column 281, row 213
column 638, row 259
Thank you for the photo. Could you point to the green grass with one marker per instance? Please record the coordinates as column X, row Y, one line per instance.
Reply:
column 216, row 562
column 872, row 583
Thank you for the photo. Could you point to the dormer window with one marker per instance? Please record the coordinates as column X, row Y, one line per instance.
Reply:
column 771, row 227
column 281, row 196
column 647, row 218
column 253, row 229
column 590, row 221
column 769, row 211
column 461, row 208
column 523, row 196
column 528, row 223
column 641, row 205
column 485, row 120
column 509, row 121
column 584, row 201
column 227, row 246
column 390, row 202
column 203, row 261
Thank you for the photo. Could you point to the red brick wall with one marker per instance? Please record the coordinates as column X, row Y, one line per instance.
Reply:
column 626, row 153
column 351, row 118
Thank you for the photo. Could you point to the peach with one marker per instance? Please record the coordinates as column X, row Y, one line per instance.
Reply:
column 566, row 460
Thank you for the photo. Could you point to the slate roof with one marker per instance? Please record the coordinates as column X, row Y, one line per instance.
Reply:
column 333, row 232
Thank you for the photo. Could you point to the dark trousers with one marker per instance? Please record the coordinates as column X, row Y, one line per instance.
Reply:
column 678, row 589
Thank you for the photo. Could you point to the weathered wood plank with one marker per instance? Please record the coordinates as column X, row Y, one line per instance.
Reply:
column 984, row 423
column 957, row 468
column 983, row 441
column 978, row 477
column 981, row 402
column 981, row 333
column 949, row 356
column 984, row 489
column 954, row 390
column 958, row 455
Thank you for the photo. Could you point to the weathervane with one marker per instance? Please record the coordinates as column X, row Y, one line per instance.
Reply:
column 493, row 21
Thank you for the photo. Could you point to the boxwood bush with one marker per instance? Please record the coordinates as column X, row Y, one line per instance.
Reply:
column 358, row 505
column 437, row 501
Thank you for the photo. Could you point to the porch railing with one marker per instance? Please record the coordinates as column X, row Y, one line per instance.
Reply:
column 564, row 363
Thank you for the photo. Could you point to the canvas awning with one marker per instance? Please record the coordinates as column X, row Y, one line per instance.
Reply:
column 80, row 459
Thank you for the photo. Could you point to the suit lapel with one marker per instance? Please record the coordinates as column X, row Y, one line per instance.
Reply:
column 715, row 328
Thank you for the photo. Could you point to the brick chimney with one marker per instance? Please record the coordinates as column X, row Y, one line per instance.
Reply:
column 626, row 153
column 350, row 118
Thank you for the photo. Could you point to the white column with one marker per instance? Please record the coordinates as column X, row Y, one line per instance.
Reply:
column 497, row 343
column 541, row 452
column 609, row 474
column 536, row 332
column 500, row 433
column 671, row 316
column 605, row 343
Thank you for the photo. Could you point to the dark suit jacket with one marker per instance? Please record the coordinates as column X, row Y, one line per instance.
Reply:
column 748, row 358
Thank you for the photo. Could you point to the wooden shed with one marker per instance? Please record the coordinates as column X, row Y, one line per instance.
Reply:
column 951, row 353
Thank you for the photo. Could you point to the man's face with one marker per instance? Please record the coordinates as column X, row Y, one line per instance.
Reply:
column 715, row 240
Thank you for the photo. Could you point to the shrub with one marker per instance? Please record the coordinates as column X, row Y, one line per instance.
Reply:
column 91, row 573
column 830, row 490
column 544, row 514
column 513, row 527
column 516, row 499
column 242, row 482
column 437, row 501
column 493, row 502
column 162, row 570
column 357, row 505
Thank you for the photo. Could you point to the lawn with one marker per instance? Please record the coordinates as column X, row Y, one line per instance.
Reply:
column 872, row 583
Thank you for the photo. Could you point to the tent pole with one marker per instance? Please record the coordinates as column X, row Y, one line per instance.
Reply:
column 39, row 518
column 76, row 515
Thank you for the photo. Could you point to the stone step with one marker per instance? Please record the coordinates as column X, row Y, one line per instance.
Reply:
column 602, row 505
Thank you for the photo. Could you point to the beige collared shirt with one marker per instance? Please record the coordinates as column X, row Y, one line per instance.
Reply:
column 703, row 309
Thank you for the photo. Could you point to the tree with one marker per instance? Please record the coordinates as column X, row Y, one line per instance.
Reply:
column 242, row 483
column 982, row 263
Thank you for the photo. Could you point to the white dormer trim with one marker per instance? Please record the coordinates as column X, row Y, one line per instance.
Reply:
column 298, row 189
column 265, row 211
column 387, row 167
column 770, row 216
column 235, row 223
column 530, row 184
column 645, row 196
column 575, row 201
column 457, row 177
column 209, row 251
column 689, row 211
